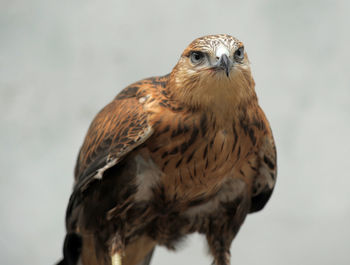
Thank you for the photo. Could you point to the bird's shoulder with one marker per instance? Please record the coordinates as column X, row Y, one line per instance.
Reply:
column 148, row 86
column 119, row 127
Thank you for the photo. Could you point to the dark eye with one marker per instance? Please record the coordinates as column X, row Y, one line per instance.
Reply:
column 196, row 57
column 239, row 54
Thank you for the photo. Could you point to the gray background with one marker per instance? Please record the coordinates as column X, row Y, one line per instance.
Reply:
column 61, row 61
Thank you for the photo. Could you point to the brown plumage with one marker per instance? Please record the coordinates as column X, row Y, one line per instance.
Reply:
column 188, row 152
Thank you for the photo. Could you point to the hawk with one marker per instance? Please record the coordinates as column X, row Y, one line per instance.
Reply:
column 191, row 151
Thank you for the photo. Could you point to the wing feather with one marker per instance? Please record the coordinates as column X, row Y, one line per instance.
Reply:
column 116, row 131
column 265, row 181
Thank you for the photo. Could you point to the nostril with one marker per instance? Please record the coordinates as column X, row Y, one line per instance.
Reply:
column 217, row 57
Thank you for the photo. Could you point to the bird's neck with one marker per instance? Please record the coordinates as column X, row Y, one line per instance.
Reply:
column 224, row 99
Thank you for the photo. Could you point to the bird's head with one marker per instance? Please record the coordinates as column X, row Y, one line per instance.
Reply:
column 213, row 71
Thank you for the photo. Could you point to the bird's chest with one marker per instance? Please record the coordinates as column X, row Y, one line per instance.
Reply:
column 194, row 160
column 185, row 175
column 168, row 216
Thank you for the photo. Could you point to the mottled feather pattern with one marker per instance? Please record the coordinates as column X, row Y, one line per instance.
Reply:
column 187, row 152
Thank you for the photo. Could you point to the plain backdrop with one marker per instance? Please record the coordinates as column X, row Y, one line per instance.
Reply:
column 62, row 61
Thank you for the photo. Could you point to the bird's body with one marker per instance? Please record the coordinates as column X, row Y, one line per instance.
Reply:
column 187, row 152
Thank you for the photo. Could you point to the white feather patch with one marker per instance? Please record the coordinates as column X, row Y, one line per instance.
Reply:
column 222, row 50
column 147, row 176
column 229, row 191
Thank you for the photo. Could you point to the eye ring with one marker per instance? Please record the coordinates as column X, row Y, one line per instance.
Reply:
column 196, row 57
column 239, row 54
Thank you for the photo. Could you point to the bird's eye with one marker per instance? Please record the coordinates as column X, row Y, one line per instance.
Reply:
column 239, row 54
column 196, row 57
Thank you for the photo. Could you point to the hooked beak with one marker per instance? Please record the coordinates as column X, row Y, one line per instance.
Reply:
column 225, row 63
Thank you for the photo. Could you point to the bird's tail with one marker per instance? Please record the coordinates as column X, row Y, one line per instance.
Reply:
column 71, row 249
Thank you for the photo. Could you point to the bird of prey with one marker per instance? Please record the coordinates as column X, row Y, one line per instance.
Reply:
column 191, row 151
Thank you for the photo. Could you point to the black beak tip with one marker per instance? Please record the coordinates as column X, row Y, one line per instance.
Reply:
column 224, row 63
